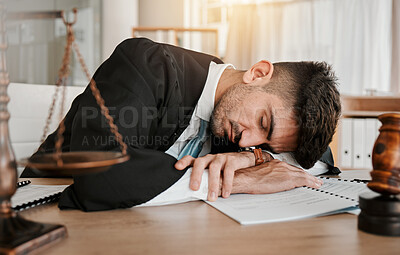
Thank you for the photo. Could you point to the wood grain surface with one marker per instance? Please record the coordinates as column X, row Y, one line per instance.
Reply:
column 197, row 228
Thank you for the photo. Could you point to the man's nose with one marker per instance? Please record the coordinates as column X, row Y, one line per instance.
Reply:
column 252, row 138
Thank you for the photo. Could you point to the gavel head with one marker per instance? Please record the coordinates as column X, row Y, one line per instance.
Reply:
column 386, row 156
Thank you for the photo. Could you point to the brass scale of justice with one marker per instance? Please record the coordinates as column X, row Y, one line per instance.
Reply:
column 18, row 235
column 77, row 162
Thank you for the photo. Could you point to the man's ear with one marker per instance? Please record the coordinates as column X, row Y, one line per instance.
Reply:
column 262, row 70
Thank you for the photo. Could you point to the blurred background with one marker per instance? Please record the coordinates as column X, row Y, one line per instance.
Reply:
column 360, row 38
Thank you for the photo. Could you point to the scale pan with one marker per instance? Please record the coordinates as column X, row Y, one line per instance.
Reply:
column 75, row 163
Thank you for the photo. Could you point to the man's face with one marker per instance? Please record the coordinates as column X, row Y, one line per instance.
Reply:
column 250, row 117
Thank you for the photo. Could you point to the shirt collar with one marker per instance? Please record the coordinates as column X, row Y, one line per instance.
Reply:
column 205, row 105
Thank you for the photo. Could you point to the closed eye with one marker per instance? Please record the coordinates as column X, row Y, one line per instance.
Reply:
column 271, row 128
column 262, row 124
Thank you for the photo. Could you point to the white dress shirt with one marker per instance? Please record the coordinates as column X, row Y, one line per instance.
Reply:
column 180, row 191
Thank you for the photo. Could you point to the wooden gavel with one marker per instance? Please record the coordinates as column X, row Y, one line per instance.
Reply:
column 380, row 212
column 386, row 157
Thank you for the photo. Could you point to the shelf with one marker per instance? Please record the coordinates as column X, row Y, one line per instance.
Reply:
column 363, row 107
column 365, row 114
column 369, row 106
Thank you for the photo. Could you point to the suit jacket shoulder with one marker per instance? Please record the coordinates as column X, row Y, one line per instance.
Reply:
column 151, row 90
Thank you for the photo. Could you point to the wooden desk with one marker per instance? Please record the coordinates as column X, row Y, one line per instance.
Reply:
column 197, row 228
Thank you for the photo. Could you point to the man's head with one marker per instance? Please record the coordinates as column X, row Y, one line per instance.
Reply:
column 290, row 106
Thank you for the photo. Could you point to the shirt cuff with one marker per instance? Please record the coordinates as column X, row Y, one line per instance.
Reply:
column 180, row 191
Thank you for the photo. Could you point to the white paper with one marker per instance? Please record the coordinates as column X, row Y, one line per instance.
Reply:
column 180, row 192
column 354, row 211
column 346, row 188
column 291, row 205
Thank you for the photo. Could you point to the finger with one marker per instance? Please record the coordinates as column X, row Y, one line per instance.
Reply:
column 197, row 172
column 300, row 171
column 184, row 162
column 316, row 179
column 310, row 181
column 214, row 174
column 227, row 182
column 313, row 178
column 314, row 184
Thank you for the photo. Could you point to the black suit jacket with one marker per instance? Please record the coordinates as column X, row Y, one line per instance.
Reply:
column 151, row 90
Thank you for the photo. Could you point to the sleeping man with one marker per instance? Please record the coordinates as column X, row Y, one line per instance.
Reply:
column 182, row 112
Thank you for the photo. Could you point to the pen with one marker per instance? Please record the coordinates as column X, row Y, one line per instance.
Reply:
column 23, row 183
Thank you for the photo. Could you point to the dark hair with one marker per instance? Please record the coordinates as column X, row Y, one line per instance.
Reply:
column 317, row 106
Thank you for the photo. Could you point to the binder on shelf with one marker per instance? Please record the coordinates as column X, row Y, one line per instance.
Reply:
column 378, row 126
column 370, row 137
column 346, row 150
column 358, row 143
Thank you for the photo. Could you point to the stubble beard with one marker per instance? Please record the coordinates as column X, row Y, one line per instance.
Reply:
column 227, row 104
column 216, row 123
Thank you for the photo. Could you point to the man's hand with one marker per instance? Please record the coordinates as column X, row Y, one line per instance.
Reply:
column 239, row 175
column 217, row 164
column 271, row 177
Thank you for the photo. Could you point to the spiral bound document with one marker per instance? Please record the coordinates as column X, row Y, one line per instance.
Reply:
column 334, row 196
column 33, row 195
